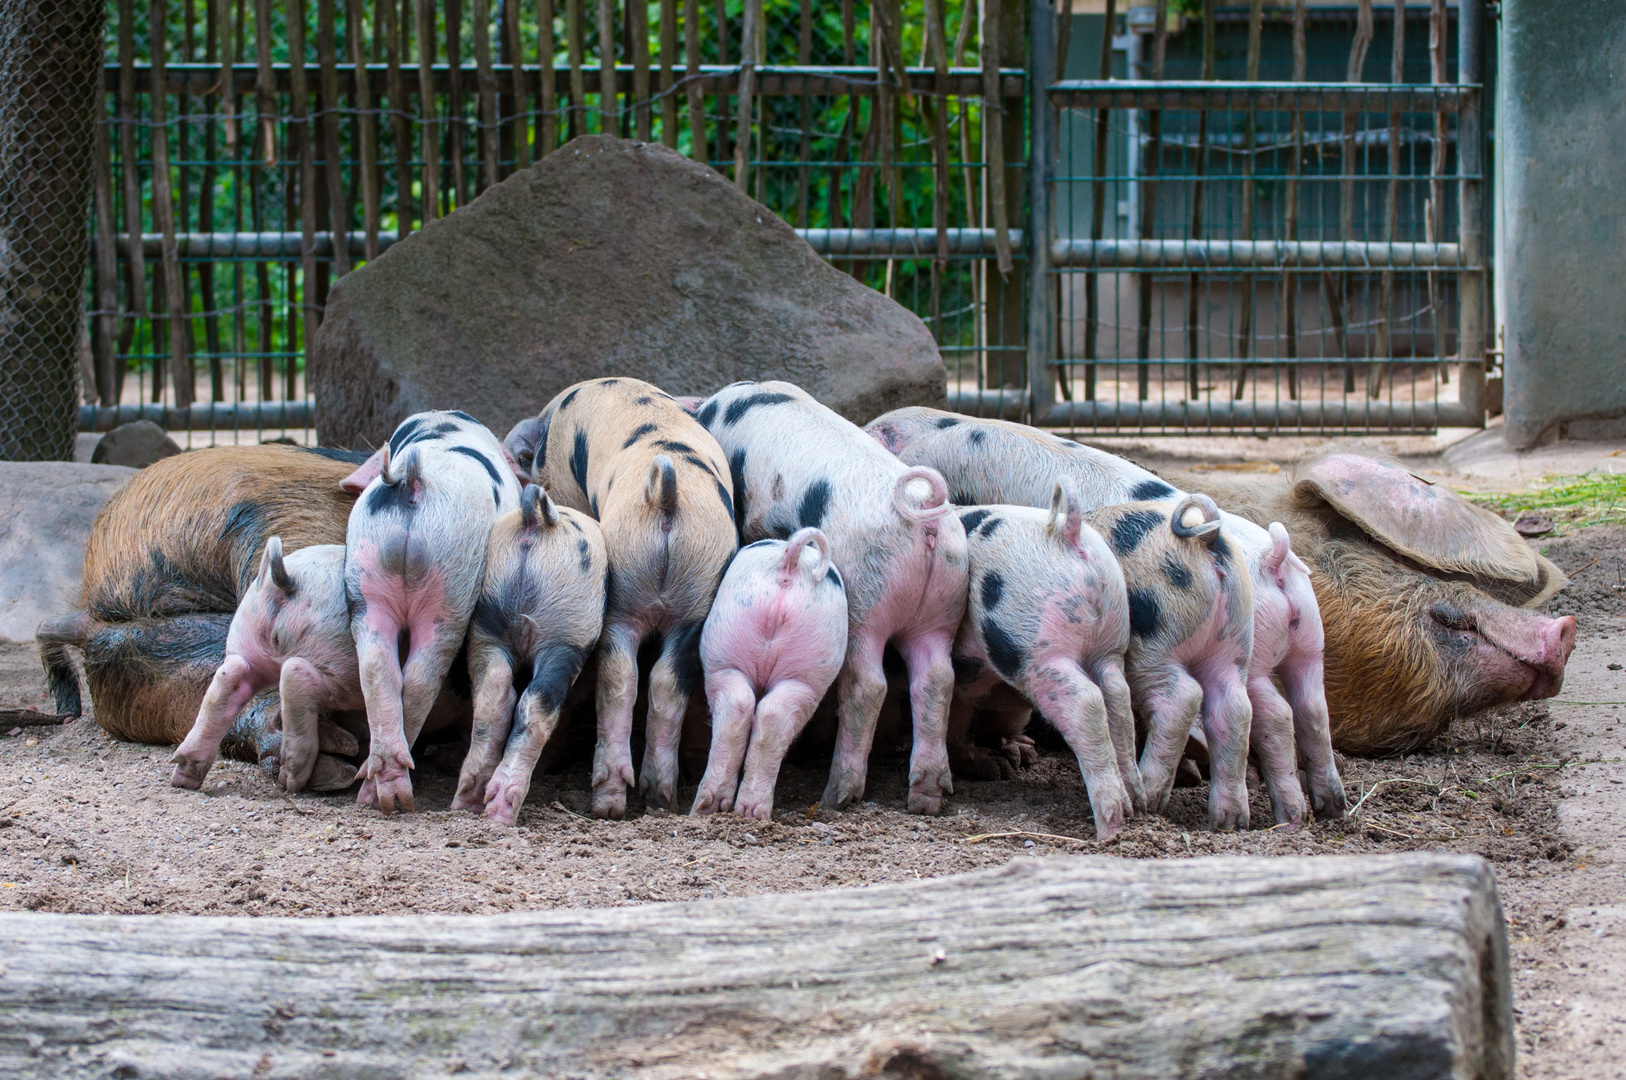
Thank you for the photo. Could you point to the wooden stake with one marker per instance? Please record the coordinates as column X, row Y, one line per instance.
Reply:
column 1244, row 343
column 1148, row 199
column 1397, row 74
column 489, row 122
column 691, row 75
column 130, row 173
column 574, row 19
column 394, row 31
column 181, row 372
column 1194, row 282
column 609, row 102
column 339, row 218
column 1290, row 287
column 743, row 103
column 1098, row 203
column 669, row 105
column 429, row 123
column 638, row 42
column 456, row 126
column 547, row 134
column 993, row 134
column 300, row 106
column 104, row 327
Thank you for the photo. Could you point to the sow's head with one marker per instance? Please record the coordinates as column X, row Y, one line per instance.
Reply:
column 1427, row 602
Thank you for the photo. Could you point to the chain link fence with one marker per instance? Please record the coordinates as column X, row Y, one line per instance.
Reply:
column 50, row 60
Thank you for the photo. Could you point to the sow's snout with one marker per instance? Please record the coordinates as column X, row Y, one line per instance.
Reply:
column 1521, row 653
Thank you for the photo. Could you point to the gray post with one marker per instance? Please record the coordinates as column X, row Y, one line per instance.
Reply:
column 1041, row 314
column 1562, row 141
column 50, row 87
column 1471, row 209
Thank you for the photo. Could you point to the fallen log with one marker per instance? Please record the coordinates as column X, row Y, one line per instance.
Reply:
column 1322, row 967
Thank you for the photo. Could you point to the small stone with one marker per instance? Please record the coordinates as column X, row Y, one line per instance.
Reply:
column 136, row 445
column 1614, row 667
column 750, row 839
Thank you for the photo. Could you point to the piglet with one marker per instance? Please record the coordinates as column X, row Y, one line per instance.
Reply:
column 415, row 556
column 1048, row 615
column 539, row 615
column 291, row 631
column 900, row 552
column 771, row 647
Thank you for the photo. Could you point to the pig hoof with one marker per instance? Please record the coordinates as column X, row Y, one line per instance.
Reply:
column 393, row 790
column 761, row 810
column 657, row 794
column 610, row 802
column 978, row 764
column 1020, row 752
column 1330, row 801
column 504, row 809
column 1228, row 818
column 842, row 791
column 710, row 802
column 331, row 774
column 189, row 774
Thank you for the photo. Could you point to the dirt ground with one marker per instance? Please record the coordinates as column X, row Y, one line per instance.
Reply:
column 88, row 824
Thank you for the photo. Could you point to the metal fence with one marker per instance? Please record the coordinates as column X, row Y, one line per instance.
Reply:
column 1300, row 253
column 48, row 51
column 1201, row 234
column 234, row 166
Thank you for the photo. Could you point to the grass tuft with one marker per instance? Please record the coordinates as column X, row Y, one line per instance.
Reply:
column 1573, row 502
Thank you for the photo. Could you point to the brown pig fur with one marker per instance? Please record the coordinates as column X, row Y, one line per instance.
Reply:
column 165, row 563
column 627, row 453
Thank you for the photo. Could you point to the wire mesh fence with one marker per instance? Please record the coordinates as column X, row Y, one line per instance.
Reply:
column 49, row 52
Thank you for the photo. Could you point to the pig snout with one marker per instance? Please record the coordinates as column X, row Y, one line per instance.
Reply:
column 1522, row 653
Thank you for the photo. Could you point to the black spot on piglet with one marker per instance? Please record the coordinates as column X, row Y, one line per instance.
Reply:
column 1145, row 616
column 972, row 519
column 993, row 587
column 1132, row 528
column 1178, row 575
column 946, row 422
column 1002, row 649
column 578, row 462
column 815, row 502
column 639, row 432
column 1148, row 490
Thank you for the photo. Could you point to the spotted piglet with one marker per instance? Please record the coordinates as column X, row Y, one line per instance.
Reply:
column 1048, row 616
column 772, row 645
column 291, row 631
column 539, row 615
column 415, row 555
column 626, row 453
column 1190, row 640
column 1000, row 461
column 899, row 550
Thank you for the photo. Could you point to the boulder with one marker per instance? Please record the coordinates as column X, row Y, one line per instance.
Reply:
column 606, row 257
column 136, row 444
column 46, row 509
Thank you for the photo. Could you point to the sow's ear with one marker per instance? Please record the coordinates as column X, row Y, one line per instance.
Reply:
column 365, row 473
column 1429, row 524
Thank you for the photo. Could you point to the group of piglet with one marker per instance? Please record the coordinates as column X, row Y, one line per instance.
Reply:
column 1010, row 569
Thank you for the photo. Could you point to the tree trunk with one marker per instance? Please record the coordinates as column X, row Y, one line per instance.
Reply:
column 1258, row 967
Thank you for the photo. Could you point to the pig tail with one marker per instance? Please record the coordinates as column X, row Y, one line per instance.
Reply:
column 272, row 565
column 1208, row 530
column 534, row 506
column 801, row 539
column 935, row 505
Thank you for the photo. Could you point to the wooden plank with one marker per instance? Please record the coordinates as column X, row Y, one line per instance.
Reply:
column 547, row 135
column 669, row 105
column 1381, row 966
column 691, row 65
column 516, row 59
column 367, row 123
column 395, row 33
column 428, row 122
column 163, row 212
column 638, row 48
column 487, row 139
column 339, row 217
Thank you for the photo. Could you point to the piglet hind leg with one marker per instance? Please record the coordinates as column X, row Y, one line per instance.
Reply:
column 1227, row 719
column 1075, row 705
column 617, row 690
column 781, row 715
column 385, row 772
column 234, row 683
column 1169, row 702
column 733, row 702
column 671, row 681
column 931, row 687
column 1121, row 722
column 1271, row 743
column 434, row 640
column 535, row 721
column 860, row 693
column 301, row 692
column 493, row 679
column 1302, row 678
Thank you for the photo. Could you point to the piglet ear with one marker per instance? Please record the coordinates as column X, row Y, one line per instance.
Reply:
column 513, row 466
column 1429, row 524
column 690, row 404
column 365, row 473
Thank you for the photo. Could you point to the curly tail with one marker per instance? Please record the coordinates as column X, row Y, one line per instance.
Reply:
column 800, row 540
column 402, row 468
column 1207, row 530
column 535, row 507
column 936, row 503
column 54, row 637
column 1066, row 517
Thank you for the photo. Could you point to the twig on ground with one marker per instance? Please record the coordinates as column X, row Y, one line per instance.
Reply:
column 980, row 837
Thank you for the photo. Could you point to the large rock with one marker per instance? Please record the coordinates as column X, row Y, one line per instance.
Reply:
column 46, row 509
column 136, row 444
column 607, row 257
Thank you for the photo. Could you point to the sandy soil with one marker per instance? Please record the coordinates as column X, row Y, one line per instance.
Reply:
column 90, row 824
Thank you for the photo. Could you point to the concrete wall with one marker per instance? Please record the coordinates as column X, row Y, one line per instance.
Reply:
column 1562, row 162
